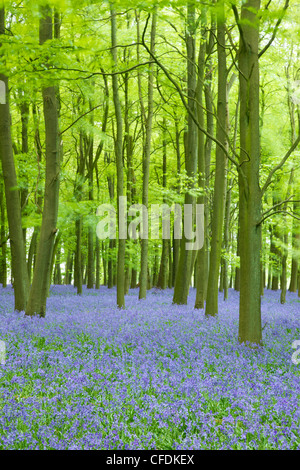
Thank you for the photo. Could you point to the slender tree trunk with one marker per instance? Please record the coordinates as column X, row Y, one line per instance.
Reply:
column 53, row 256
column 119, row 161
column 128, row 147
column 104, row 262
column 295, row 246
column 208, row 145
column 184, row 271
column 78, row 192
column 296, row 205
column 226, row 237
column 91, row 229
column 68, row 268
column 133, row 281
column 146, row 166
column 249, row 189
column 283, row 280
column 201, row 262
column 57, row 271
column 13, row 205
column 90, row 263
column 39, row 289
column 97, row 248
column 164, row 265
column 24, row 109
column 176, row 241
column 275, row 250
column 270, row 262
column 211, row 307
column 237, row 269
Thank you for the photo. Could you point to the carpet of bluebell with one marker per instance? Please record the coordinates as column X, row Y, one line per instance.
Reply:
column 152, row 376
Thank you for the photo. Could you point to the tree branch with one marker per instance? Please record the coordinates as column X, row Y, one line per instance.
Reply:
column 181, row 94
column 275, row 29
column 76, row 120
column 278, row 212
column 110, row 74
column 277, row 167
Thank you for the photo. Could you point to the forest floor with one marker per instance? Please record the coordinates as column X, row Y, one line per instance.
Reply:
column 152, row 376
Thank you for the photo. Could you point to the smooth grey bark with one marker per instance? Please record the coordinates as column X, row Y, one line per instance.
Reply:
column 24, row 111
column 211, row 307
column 275, row 251
column 201, row 262
column 39, row 290
column 78, row 268
column 163, row 277
column 91, row 229
column 69, row 268
column 226, row 238
column 296, row 204
column 128, row 149
column 12, row 196
column 229, row 183
column 146, row 164
column 111, row 243
column 184, row 271
column 249, row 189
column 284, row 248
column 119, row 161
column 104, row 262
column 78, row 190
column 97, row 257
column 57, row 277
column 53, row 257
column 295, row 246
column 176, row 241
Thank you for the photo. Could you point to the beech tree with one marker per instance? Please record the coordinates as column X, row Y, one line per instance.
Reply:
column 184, row 271
column 219, row 184
column 119, row 164
column 40, row 284
column 12, row 195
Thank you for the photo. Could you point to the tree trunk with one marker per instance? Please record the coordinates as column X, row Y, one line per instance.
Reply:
column 164, row 265
column 283, row 280
column 128, row 149
column 211, row 307
column 226, row 237
column 146, row 166
column 176, row 241
column 68, row 272
column 249, row 189
column 13, row 205
column 237, row 269
column 295, row 246
column 201, row 262
column 57, row 270
column 53, row 256
column 275, row 250
column 104, row 262
column 97, row 248
column 91, row 230
column 184, row 271
column 24, row 109
column 39, row 289
column 119, row 162
column 78, row 193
